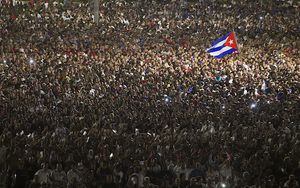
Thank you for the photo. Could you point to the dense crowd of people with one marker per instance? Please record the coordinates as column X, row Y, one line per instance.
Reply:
column 135, row 101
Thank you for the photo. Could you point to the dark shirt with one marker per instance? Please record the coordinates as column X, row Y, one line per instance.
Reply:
column 109, row 185
column 22, row 178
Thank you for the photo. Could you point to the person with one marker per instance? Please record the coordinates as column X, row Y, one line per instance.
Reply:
column 42, row 175
column 133, row 181
column 3, row 153
column 58, row 177
column 21, row 175
column 197, row 172
column 193, row 183
column 34, row 182
column 291, row 182
column 176, row 183
column 183, row 181
column 118, row 175
column 3, row 178
column 73, row 177
column 270, row 182
column 226, row 170
column 109, row 183
column 297, row 172
column 146, row 182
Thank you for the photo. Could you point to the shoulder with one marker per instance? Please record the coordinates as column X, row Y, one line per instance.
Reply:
column 39, row 172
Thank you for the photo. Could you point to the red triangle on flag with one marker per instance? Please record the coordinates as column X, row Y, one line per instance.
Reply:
column 231, row 42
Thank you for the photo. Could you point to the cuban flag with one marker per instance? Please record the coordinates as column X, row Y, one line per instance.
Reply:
column 223, row 46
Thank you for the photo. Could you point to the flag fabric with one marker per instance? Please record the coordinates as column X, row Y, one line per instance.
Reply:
column 223, row 46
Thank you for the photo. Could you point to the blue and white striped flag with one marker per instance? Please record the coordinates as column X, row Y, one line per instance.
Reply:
column 223, row 46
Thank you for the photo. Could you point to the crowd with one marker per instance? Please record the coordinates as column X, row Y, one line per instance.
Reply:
column 135, row 101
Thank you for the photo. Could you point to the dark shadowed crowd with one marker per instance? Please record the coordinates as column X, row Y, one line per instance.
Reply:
column 135, row 101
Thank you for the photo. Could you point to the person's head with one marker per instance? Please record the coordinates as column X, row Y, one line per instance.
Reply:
column 193, row 181
column 59, row 166
column 80, row 166
column 91, row 152
column 134, row 180
column 271, row 179
column 292, row 177
column 246, row 176
column 146, row 180
column 44, row 166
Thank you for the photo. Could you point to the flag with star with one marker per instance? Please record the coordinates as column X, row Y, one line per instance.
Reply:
column 223, row 46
